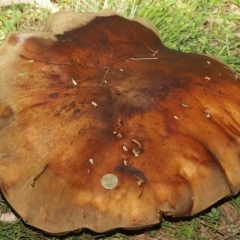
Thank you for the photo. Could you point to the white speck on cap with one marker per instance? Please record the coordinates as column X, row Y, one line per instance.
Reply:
column 125, row 148
column 94, row 104
column 91, row 160
column 74, row 82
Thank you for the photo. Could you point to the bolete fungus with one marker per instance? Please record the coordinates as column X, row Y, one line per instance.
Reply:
column 103, row 127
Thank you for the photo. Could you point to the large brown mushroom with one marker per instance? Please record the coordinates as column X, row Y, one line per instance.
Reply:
column 103, row 127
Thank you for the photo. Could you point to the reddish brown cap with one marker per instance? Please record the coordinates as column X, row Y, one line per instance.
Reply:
column 103, row 127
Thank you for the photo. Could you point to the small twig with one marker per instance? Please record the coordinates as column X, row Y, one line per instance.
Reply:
column 207, row 225
column 136, row 59
column 46, row 61
column 232, row 236
column 104, row 78
column 154, row 52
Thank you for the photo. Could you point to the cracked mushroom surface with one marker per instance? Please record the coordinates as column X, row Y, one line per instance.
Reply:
column 103, row 127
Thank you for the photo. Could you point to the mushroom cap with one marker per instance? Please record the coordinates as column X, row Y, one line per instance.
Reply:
column 103, row 127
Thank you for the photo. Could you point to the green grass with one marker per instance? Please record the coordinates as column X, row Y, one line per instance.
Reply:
column 204, row 26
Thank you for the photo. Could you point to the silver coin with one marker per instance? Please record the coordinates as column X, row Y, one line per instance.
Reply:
column 109, row 181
